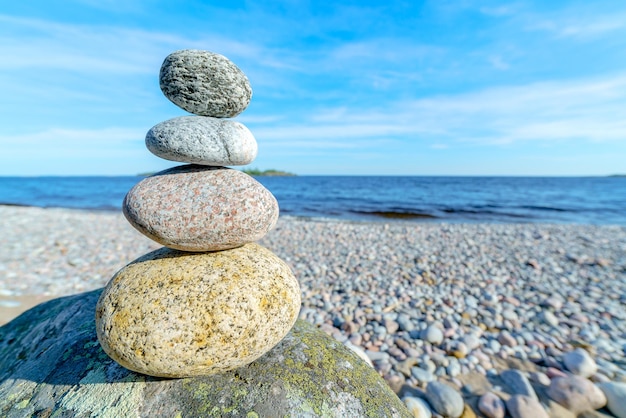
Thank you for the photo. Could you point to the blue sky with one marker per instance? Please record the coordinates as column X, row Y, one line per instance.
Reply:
column 349, row 87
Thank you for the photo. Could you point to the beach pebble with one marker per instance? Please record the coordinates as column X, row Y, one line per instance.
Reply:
column 518, row 383
column 616, row 397
column 576, row 393
column 178, row 314
column 505, row 338
column 204, row 83
column 549, row 318
column 520, row 406
column 422, row 376
column 444, row 399
column 417, row 407
column 491, row 405
column 359, row 352
column 202, row 140
column 580, row 363
column 539, row 377
column 200, row 208
column 432, row 334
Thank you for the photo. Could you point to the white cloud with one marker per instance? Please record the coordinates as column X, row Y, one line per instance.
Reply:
column 578, row 25
column 592, row 110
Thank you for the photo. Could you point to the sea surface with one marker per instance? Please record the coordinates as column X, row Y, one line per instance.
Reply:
column 584, row 200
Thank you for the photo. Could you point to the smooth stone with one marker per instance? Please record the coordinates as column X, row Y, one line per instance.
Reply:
column 576, row 394
column 200, row 208
column 422, row 376
column 444, row 399
column 580, row 363
column 491, row 405
column 359, row 352
column 176, row 314
column 520, row 406
column 518, row 383
column 432, row 334
column 615, row 393
column 202, row 140
column 204, row 83
column 417, row 407
column 52, row 365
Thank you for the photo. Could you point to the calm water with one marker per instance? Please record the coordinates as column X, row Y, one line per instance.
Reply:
column 591, row 200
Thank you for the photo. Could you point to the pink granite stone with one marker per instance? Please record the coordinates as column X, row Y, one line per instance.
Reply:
column 201, row 208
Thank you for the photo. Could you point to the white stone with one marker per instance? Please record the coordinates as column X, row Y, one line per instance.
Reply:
column 417, row 407
column 202, row 140
column 616, row 397
column 580, row 363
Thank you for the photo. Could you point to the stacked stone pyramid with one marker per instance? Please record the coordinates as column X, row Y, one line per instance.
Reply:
column 211, row 300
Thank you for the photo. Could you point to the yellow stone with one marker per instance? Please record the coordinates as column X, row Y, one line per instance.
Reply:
column 178, row 314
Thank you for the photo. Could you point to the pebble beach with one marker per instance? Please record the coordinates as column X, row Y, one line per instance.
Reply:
column 460, row 303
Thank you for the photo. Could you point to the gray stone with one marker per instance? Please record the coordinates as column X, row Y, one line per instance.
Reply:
column 432, row 334
column 518, row 383
column 580, row 363
column 520, row 406
column 576, row 393
column 422, row 376
column 491, row 405
column 204, row 83
column 201, row 208
column 444, row 399
column 52, row 365
column 178, row 314
column 616, row 397
column 202, row 140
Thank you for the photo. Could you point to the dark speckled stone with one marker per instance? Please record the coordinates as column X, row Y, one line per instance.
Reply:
column 204, row 83
column 201, row 208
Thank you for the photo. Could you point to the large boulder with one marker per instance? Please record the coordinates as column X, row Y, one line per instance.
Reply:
column 52, row 364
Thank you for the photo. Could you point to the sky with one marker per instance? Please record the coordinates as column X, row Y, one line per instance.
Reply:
column 439, row 87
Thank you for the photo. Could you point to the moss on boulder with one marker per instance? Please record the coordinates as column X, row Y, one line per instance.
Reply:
column 52, row 365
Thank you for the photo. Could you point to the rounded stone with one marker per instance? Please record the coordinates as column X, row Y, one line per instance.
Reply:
column 580, row 362
column 444, row 399
column 201, row 208
column 520, row 406
column 202, row 140
column 491, row 405
column 177, row 314
column 576, row 393
column 204, row 83
column 615, row 393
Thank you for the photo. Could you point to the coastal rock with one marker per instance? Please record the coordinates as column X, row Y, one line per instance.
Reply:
column 616, row 397
column 52, row 365
column 200, row 208
column 580, row 363
column 176, row 314
column 520, row 406
column 444, row 399
column 491, row 405
column 202, row 140
column 205, row 83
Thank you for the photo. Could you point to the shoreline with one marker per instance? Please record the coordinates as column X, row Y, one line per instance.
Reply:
column 499, row 293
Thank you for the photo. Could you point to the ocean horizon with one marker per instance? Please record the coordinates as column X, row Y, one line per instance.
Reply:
column 456, row 199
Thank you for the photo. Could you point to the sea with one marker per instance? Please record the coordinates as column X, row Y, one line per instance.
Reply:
column 581, row 200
